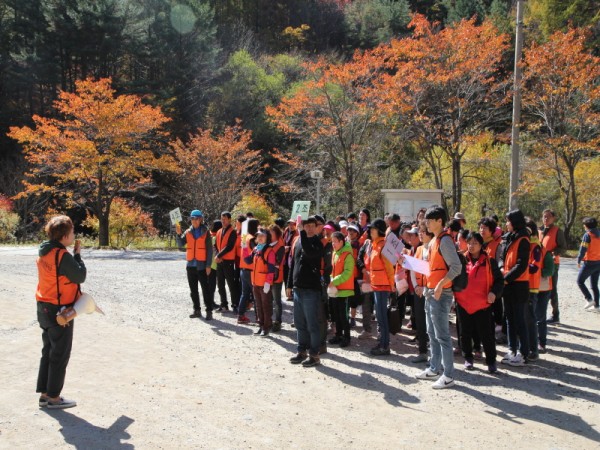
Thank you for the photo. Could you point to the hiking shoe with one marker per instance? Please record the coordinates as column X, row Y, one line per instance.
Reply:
column 421, row 357
column 533, row 357
column 365, row 335
column 552, row 319
column 258, row 331
column 276, row 326
column 542, row 349
column 335, row 340
column 298, row 358
column 468, row 364
column 380, row 351
column 312, row 361
column 507, row 357
column 492, row 368
column 427, row 374
column 443, row 382
column 209, row 315
column 345, row 342
column 196, row 314
column 516, row 361
column 62, row 403
column 243, row 319
column 589, row 304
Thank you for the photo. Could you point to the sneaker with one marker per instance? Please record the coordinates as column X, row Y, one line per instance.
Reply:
column 443, row 382
column 492, row 368
column 468, row 364
column 507, row 357
column 209, row 315
column 552, row 319
column 258, row 331
column 589, row 304
column 298, row 358
column 533, row 357
column 345, row 342
column 196, row 314
column 365, row 335
column 427, row 374
column 516, row 361
column 276, row 326
column 352, row 322
column 312, row 361
column 235, row 310
column 380, row 351
column 542, row 349
column 62, row 403
column 243, row 319
column 335, row 340
column 43, row 401
column 595, row 309
column 421, row 357
column 477, row 355
column 264, row 333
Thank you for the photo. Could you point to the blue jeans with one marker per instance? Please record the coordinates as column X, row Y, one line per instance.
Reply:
column 437, row 313
column 589, row 269
column 540, row 314
column 531, row 321
column 306, row 319
column 381, row 308
column 246, row 278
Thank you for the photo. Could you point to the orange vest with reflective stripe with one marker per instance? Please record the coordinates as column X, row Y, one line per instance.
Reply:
column 549, row 241
column 593, row 251
column 534, row 278
column 437, row 266
column 338, row 269
column 47, row 272
column 222, row 241
column 244, row 264
column 379, row 276
column 260, row 268
column 196, row 248
column 276, row 248
column 511, row 259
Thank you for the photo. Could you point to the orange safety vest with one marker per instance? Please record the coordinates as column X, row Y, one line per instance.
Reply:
column 379, row 276
column 50, row 290
column 338, row 269
column 511, row 259
column 196, row 248
column 367, row 262
column 593, row 251
column 421, row 279
column 437, row 266
column 492, row 247
column 260, row 268
column 534, row 278
column 244, row 264
column 222, row 243
column 549, row 241
column 238, row 249
column 276, row 249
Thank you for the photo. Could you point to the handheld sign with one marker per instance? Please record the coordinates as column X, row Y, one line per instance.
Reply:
column 175, row 216
column 300, row 208
column 393, row 248
column 416, row 265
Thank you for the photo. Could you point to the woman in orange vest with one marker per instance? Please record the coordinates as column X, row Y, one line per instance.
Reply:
column 515, row 267
column 279, row 249
column 535, row 275
column 341, row 287
column 246, row 266
column 382, row 282
column 475, row 302
column 60, row 275
column 263, row 277
column 588, row 262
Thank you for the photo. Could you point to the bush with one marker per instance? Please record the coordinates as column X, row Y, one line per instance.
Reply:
column 9, row 220
column 257, row 205
column 128, row 224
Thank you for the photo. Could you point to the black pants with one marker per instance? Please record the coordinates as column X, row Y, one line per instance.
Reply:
column 480, row 321
column 554, row 295
column 194, row 277
column 340, row 314
column 226, row 273
column 56, row 351
column 421, row 323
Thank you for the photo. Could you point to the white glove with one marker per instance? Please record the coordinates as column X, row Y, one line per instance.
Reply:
column 266, row 288
column 332, row 291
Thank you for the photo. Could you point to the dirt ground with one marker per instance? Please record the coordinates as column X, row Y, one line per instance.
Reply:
column 145, row 375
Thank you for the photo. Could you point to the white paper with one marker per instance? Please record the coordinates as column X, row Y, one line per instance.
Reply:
column 300, row 208
column 393, row 248
column 175, row 216
column 416, row 264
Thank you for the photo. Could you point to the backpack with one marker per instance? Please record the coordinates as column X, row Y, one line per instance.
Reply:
column 459, row 283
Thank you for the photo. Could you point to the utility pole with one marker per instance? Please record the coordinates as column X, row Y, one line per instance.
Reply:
column 516, row 118
column 317, row 175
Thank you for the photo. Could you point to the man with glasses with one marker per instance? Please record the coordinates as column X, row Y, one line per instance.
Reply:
column 198, row 244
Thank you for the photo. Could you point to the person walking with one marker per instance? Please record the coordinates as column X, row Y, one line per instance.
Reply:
column 60, row 275
column 199, row 249
column 553, row 240
column 225, row 247
column 588, row 262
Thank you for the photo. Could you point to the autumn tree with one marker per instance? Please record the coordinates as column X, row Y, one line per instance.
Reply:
column 215, row 170
column 561, row 94
column 443, row 88
column 334, row 124
column 103, row 146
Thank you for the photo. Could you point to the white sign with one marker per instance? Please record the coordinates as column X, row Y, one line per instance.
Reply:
column 300, row 208
column 416, row 265
column 393, row 248
column 175, row 216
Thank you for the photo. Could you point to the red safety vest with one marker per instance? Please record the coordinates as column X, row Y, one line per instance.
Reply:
column 474, row 297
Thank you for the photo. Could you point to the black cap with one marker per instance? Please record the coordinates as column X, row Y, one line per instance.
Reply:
column 311, row 219
column 319, row 219
column 379, row 224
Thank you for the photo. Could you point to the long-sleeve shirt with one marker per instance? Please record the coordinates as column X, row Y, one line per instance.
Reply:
column 585, row 243
column 561, row 241
column 228, row 245
column 522, row 263
column 201, row 231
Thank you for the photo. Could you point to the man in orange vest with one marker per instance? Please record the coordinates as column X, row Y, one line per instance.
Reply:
column 60, row 275
column 225, row 258
column 444, row 266
column 198, row 244
column 588, row 262
column 553, row 240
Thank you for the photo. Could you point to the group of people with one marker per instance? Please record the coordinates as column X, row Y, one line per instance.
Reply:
column 499, row 280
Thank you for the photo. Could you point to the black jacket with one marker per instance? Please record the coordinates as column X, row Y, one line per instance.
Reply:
column 305, row 270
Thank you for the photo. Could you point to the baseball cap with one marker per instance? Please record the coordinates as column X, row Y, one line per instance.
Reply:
column 460, row 216
column 311, row 219
column 413, row 230
column 196, row 213
column 353, row 228
column 329, row 227
column 343, row 224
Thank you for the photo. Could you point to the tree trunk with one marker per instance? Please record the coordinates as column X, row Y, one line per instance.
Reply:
column 456, row 183
column 570, row 206
column 103, row 235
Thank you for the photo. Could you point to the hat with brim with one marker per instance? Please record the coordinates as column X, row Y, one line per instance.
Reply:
column 413, row 230
column 196, row 213
column 353, row 227
column 460, row 216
